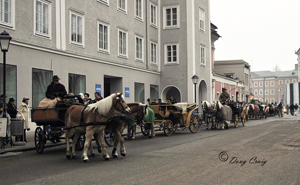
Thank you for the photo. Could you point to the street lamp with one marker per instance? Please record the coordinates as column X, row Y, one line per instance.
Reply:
column 195, row 79
column 4, row 42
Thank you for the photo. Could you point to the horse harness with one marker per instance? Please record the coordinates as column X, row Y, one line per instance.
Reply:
column 110, row 119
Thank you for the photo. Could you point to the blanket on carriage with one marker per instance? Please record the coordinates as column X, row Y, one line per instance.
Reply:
column 227, row 113
column 48, row 103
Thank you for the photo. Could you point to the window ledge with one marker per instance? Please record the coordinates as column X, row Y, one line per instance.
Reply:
column 122, row 11
column 103, row 51
column 123, row 56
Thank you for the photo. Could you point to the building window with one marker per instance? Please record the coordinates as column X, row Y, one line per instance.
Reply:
column 272, row 100
column 260, row 84
column 154, row 95
column 153, row 16
column 267, row 83
column 76, row 28
column 255, row 84
column 106, row 2
column 139, row 9
column 272, row 83
column 122, row 43
column 138, row 48
column 255, row 92
column 103, row 37
column 171, row 17
column 287, row 81
column 267, row 92
column 40, row 81
column 6, row 12
column 272, row 92
column 122, row 6
column 11, row 81
column 201, row 19
column 202, row 55
column 267, row 100
column 139, row 92
column 260, row 92
column 171, row 53
column 246, row 79
column 42, row 18
column 294, row 80
column 280, row 82
column 153, row 52
column 76, row 83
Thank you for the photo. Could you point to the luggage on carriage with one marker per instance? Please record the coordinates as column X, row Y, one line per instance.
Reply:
column 51, row 123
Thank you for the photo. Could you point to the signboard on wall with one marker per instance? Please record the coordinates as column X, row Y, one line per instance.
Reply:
column 127, row 92
column 98, row 88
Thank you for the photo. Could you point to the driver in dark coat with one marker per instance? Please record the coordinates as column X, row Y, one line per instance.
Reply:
column 55, row 89
column 224, row 97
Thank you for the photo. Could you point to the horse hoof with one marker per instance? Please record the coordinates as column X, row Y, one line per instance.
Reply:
column 99, row 150
column 150, row 137
column 74, row 157
column 107, row 159
column 206, row 128
column 115, row 156
column 86, row 161
column 68, row 156
column 93, row 155
column 123, row 155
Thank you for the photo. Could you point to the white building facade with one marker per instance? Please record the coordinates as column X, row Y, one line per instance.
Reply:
column 143, row 48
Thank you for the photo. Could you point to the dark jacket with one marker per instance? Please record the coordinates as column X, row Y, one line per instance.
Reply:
column 12, row 110
column 57, row 90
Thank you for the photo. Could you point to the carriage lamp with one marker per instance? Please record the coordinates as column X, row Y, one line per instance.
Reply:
column 195, row 79
column 4, row 42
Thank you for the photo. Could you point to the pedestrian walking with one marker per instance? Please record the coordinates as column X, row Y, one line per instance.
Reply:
column 12, row 108
column 24, row 110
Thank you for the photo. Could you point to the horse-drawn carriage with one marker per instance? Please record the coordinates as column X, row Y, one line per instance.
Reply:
column 51, row 124
column 171, row 117
column 219, row 115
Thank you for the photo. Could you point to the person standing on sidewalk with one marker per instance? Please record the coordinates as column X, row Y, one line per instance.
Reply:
column 24, row 110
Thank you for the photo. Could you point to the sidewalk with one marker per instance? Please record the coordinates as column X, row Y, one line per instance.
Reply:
column 30, row 145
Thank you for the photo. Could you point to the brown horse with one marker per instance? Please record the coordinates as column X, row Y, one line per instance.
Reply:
column 92, row 120
column 209, row 113
column 117, row 127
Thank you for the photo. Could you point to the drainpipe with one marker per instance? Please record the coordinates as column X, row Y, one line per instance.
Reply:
column 146, row 43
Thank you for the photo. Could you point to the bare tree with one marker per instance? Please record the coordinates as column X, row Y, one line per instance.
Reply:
column 276, row 68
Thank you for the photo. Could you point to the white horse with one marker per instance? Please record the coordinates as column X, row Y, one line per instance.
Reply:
column 224, row 115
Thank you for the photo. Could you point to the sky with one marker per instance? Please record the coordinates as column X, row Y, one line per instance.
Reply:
column 264, row 33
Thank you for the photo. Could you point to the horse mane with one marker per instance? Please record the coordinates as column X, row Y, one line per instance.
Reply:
column 145, row 111
column 219, row 104
column 103, row 106
column 208, row 104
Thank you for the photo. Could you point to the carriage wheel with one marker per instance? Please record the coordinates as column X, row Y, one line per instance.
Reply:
column 145, row 129
column 80, row 142
column 236, row 121
column 39, row 140
column 244, row 120
column 168, row 128
column 194, row 123
column 109, row 138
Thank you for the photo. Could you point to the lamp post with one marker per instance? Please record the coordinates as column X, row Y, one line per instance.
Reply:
column 4, row 42
column 195, row 79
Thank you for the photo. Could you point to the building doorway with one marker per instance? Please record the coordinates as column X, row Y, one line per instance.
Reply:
column 111, row 85
column 169, row 92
